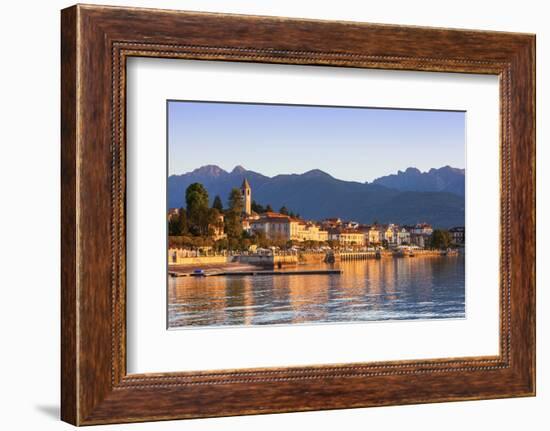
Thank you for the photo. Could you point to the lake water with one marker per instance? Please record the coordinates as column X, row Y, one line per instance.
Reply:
column 368, row 290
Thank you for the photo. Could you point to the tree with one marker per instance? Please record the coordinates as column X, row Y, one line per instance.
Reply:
column 173, row 226
column 283, row 210
column 232, row 243
column 218, row 204
column 221, row 244
column 268, row 208
column 236, row 203
column 196, row 198
column 441, row 239
column 176, row 242
column 245, row 243
column 233, row 224
column 257, row 208
column 177, row 225
column 260, row 239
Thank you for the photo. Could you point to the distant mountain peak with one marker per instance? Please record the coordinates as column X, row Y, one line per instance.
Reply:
column 316, row 173
column 211, row 170
column 238, row 170
column 410, row 170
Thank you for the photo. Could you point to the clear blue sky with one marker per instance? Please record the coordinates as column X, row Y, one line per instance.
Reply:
column 356, row 144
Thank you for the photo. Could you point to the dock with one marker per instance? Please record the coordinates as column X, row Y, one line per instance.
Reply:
column 256, row 273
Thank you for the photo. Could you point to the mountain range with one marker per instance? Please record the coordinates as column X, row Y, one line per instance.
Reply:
column 408, row 197
column 444, row 179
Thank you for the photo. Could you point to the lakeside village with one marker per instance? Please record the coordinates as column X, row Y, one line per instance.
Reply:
column 245, row 232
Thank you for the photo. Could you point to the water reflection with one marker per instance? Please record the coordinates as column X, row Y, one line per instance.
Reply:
column 385, row 289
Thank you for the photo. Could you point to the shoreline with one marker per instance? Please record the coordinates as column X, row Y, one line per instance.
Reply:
column 187, row 269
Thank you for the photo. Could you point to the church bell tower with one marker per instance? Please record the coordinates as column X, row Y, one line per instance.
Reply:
column 247, row 197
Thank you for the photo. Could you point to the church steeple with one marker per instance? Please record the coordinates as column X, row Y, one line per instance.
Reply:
column 247, row 197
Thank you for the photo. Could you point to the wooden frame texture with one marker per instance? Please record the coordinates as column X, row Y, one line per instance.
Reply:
column 95, row 43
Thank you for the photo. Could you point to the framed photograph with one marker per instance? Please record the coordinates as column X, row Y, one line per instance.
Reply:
column 304, row 245
column 265, row 215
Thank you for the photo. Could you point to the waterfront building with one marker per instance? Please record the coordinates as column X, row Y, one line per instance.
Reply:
column 277, row 226
column 274, row 226
column 333, row 234
column 351, row 237
column 373, row 235
column 403, row 236
column 308, row 231
column 422, row 229
column 390, row 234
column 247, row 220
column 420, row 234
column 419, row 239
column 346, row 237
column 364, row 229
column 322, row 235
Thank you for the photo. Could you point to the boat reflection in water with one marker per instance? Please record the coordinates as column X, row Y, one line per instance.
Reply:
column 368, row 290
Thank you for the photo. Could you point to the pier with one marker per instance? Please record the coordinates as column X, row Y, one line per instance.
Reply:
column 255, row 273
column 357, row 255
column 332, row 257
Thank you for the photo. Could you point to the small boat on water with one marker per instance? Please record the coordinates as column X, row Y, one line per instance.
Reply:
column 198, row 273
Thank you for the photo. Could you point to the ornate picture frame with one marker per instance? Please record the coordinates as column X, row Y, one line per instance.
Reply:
column 96, row 41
